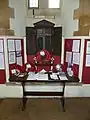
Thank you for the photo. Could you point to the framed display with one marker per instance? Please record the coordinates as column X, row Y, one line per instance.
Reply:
column 11, row 45
column 2, row 61
column 1, row 45
column 19, row 61
column 18, row 45
column 12, row 58
column 76, row 45
column 88, row 47
column 76, row 58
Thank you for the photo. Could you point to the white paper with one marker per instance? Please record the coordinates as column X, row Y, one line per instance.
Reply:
column 28, row 66
column 18, row 44
column 76, row 45
column 76, row 58
column 63, row 77
column 13, row 71
column 88, row 47
column 68, row 57
column 88, row 60
column 12, row 57
column 31, row 76
column 54, row 76
column 1, row 45
column 1, row 61
column 19, row 61
column 11, row 45
column 38, row 76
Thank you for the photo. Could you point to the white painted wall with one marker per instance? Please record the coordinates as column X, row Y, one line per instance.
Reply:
column 69, row 24
column 64, row 18
column 9, row 91
column 18, row 23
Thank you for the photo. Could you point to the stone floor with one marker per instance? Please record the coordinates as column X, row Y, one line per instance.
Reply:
column 45, row 109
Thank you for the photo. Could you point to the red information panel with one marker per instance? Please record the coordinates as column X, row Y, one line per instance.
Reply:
column 2, row 63
column 69, row 49
column 2, row 77
column 15, row 53
column 86, row 66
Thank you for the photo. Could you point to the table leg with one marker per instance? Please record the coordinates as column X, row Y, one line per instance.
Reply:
column 24, row 99
column 63, row 103
column 62, row 98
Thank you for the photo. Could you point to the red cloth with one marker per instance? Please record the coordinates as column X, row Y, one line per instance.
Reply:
column 16, row 66
column 47, row 55
column 47, row 58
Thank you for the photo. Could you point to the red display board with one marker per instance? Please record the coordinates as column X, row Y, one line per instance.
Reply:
column 15, row 53
column 2, row 76
column 2, row 63
column 86, row 69
column 68, row 45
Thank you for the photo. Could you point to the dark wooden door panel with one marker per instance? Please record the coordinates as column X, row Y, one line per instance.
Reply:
column 30, row 40
column 57, row 41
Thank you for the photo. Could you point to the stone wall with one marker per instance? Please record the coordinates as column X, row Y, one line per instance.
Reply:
column 83, row 15
column 5, row 14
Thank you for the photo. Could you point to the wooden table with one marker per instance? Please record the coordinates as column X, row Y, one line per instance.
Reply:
column 24, row 80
